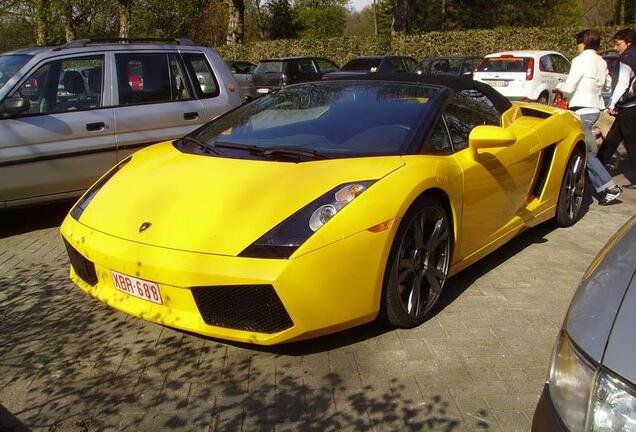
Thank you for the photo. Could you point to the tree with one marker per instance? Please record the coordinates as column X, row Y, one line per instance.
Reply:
column 123, row 7
column 236, row 21
column 282, row 22
column 400, row 17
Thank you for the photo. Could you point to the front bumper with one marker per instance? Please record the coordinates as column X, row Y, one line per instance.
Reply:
column 546, row 418
column 327, row 290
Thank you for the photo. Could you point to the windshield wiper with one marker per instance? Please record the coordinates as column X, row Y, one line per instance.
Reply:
column 206, row 148
column 293, row 152
column 247, row 147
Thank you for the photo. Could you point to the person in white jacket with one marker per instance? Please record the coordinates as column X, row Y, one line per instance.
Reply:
column 586, row 80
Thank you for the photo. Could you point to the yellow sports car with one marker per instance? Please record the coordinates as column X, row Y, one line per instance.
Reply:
column 323, row 205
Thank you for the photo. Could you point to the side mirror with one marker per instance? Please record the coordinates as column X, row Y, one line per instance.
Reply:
column 14, row 105
column 485, row 136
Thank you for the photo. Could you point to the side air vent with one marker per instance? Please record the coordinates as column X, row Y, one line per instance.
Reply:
column 529, row 112
column 547, row 154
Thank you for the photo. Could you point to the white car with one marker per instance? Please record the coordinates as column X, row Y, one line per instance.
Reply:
column 524, row 75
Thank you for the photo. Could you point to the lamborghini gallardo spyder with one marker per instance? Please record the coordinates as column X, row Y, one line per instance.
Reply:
column 323, row 206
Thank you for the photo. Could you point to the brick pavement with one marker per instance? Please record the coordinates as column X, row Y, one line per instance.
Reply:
column 70, row 363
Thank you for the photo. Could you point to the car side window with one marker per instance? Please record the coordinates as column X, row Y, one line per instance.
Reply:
column 64, row 85
column 560, row 64
column 306, row 66
column 470, row 64
column 205, row 83
column 466, row 110
column 143, row 78
column 179, row 89
column 439, row 141
column 410, row 64
column 545, row 64
column 325, row 66
column 397, row 65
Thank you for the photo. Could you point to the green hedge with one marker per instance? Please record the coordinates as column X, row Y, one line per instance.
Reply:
column 466, row 42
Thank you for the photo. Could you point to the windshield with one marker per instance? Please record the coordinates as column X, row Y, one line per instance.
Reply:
column 503, row 64
column 10, row 64
column 362, row 64
column 269, row 66
column 336, row 119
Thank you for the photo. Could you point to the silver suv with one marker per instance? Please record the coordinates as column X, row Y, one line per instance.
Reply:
column 69, row 113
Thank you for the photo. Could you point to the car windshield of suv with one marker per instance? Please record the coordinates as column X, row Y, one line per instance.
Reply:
column 362, row 64
column 269, row 67
column 10, row 64
column 503, row 64
column 335, row 119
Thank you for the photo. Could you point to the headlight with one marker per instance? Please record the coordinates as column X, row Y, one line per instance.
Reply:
column 286, row 237
column 573, row 380
column 613, row 406
column 86, row 199
column 570, row 382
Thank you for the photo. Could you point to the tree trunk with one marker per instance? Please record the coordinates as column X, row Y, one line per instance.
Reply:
column 375, row 17
column 123, row 7
column 69, row 25
column 618, row 12
column 235, row 22
column 42, row 21
column 400, row 16
column 630, row 11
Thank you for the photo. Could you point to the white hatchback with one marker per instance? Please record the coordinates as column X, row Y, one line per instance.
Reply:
column 524, row 75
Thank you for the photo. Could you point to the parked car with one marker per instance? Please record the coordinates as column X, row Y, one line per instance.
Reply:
column 272, row 74
column 375, row 64
column 242, row 71
column 405, row 179
column 591, row 383
column 524, row 75
column 450, row 65
column 68, row 113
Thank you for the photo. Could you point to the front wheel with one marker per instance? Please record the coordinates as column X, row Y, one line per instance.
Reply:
column 418, row 265
column 572, row 187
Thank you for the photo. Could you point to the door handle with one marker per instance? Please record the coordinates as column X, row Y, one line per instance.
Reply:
column 191, row 115
column 95, row 127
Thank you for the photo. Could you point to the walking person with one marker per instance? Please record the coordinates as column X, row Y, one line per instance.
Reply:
column 623, row 103
column 588, row 75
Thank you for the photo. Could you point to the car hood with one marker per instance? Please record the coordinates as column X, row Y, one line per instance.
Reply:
column 594, row 316
column 213, row 204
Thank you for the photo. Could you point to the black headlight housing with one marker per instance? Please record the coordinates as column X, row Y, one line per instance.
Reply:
column 85, row 200
column 282, row 240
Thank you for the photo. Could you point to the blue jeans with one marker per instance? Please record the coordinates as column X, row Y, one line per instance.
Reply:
column 596, row 172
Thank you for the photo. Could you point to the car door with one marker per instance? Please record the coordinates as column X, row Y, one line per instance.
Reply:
column 155, row 99
column 561, row 67
column 243, row 74
column 65, row 141
column 548, row 75
column 496, row 180
column 307, row 70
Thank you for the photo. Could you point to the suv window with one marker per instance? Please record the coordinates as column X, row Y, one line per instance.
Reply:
column 410, row 63
column 466, row 110
column 64, row 85
column 325, row 66
column 143, row 78
column 205, row 83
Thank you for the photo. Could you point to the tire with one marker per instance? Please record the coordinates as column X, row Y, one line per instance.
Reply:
column 544, row 98
column 571, row 192
column 418, row 264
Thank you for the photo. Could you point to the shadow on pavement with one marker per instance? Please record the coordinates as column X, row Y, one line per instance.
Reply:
column 69, row 363
column 23, row 220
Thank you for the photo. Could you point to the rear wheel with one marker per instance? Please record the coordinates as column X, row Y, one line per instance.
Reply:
column 572, row 187
column 418, row 264
column 544, row 98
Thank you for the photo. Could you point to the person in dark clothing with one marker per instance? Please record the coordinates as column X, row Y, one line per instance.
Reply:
column 621, row 105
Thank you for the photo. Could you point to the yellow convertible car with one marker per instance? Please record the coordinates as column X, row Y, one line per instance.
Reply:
column 323, row 205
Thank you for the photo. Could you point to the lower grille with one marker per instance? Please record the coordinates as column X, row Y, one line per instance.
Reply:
column 83, row 267
column 242, row 307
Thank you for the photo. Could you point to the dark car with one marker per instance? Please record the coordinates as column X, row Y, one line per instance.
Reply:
column 449, row 65
column 591, row 382
column 375, row 64
column 272, row 74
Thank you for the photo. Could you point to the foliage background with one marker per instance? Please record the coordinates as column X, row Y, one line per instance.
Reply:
column 464, row 42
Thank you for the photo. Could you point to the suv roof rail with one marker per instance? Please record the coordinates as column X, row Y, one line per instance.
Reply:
column 79, row 43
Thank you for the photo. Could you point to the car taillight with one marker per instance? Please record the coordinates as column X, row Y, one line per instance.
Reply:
column 530, row 70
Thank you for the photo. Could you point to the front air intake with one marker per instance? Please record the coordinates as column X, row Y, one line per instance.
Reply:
column 83, row 267
column 242, row 307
